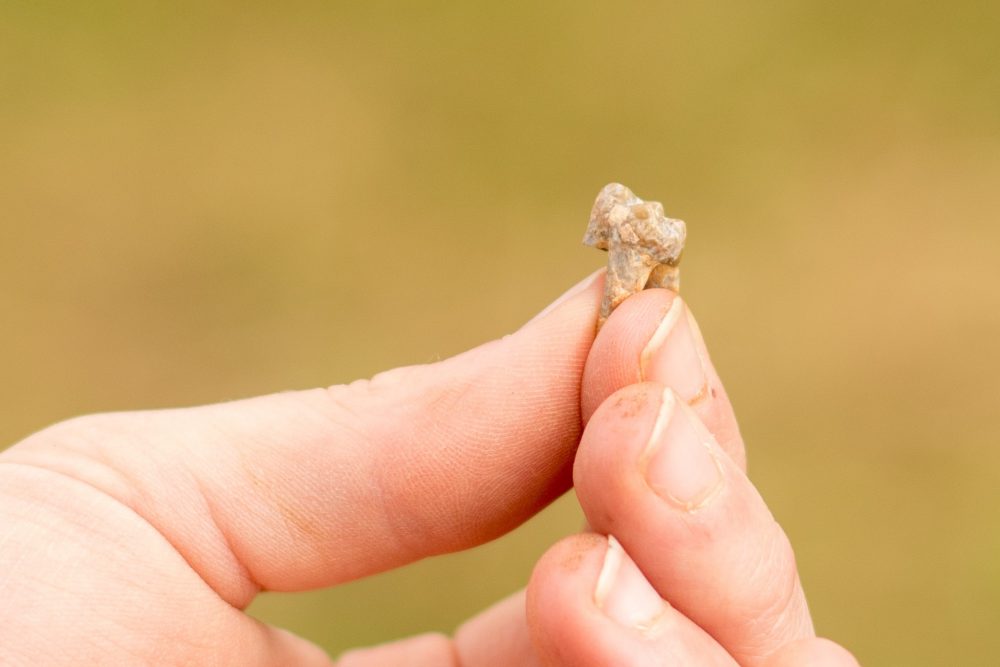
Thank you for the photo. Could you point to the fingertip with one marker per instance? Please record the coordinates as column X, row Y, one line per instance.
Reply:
column 653, row 337
column 614, row 358
column 572, row 314
column 557, row 596
column 584, row 295
column 589, row 604
column 815, row 652
column 610, row 446
column 566, row 560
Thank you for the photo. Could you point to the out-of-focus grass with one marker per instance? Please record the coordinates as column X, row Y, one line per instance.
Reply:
column 200, row 202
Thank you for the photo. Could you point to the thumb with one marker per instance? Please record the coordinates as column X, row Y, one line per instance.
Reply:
column 306, row 489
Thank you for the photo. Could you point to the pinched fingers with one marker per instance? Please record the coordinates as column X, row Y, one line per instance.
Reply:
column 653, row 337
column 651, row 474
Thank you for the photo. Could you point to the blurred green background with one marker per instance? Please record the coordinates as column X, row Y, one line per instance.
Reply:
column 201, row 201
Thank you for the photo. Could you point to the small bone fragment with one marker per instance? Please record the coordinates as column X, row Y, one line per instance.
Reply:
column 644, row 246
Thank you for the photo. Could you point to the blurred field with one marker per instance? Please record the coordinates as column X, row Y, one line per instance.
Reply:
column 181, row 188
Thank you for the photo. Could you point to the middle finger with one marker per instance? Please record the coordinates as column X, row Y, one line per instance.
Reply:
column 650, row 473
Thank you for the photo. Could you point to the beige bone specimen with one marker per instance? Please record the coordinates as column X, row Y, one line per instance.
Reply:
column 644, row 246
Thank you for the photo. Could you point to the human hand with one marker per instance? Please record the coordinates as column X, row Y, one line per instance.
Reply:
column 697, row 571
column 139, row 538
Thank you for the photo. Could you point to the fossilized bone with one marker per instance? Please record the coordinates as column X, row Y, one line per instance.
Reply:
column 644, row 246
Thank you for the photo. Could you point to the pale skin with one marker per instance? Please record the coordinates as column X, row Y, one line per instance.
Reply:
column 139, row 538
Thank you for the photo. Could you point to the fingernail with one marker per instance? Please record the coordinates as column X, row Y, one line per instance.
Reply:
column 623, row 593
column 679, row 460
column 569, row 294
column 673, row 356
